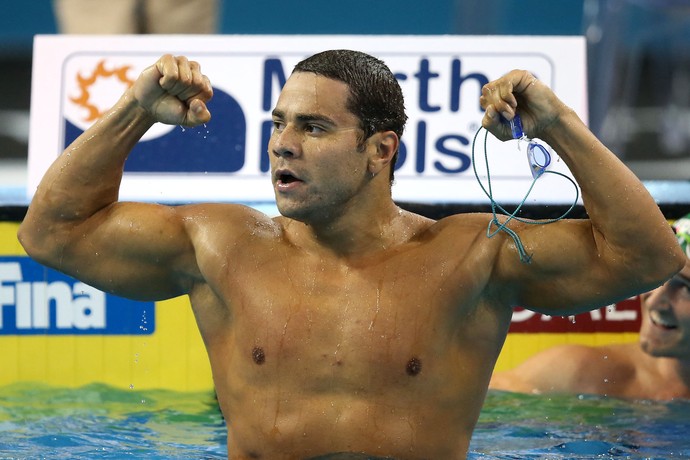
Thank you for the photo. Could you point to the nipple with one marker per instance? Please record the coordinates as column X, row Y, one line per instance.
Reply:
column 414, row 366
column 258, row 355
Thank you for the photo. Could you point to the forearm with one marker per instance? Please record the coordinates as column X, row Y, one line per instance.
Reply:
column 86, row 177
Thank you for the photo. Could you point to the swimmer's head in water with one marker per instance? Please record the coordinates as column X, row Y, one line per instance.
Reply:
column 682, row 229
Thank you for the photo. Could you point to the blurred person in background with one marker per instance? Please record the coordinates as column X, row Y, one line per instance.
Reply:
column 113, row 17
column 655, row 367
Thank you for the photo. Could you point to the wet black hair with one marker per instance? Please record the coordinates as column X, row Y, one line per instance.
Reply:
column 375, row 95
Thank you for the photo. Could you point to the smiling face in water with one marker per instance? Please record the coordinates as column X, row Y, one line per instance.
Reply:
column 317, row 163
column 665, row 327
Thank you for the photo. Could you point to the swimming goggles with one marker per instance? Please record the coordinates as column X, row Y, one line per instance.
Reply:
column 538, row 157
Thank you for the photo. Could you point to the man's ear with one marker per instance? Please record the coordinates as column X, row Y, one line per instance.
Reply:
column 387, row 144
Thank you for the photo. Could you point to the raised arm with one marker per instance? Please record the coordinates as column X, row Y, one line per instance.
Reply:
column 624, row 248
column 75, row 222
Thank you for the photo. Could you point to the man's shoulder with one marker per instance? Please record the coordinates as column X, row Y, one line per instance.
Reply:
column 569, row 368
column 228, row 218
column 221, row 211
column 591, row 358
column 469, row 229
column 465, row 222
column 580, row 351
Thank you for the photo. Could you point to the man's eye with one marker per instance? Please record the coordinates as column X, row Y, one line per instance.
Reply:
column 314, row 129
column 686, row 290
column 278, row 125
column 680, row 284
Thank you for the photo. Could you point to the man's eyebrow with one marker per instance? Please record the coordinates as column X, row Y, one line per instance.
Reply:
column 309, row 117
column 306, row 117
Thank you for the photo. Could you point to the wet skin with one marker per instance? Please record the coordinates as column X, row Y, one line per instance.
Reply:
column 388, row 353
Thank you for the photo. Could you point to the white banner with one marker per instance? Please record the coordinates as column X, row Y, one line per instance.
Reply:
column 76, row 78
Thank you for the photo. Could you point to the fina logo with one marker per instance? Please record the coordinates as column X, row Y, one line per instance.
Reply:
column 164, row 148
column 37, row 300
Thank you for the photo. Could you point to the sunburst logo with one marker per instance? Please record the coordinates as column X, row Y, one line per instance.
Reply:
column 97, row 89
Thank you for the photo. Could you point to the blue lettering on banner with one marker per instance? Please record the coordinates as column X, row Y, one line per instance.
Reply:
column 424, row 75
column 272, row 68
column 451, row 149
column 220, row 146
column 457, row 80
column 37, row 300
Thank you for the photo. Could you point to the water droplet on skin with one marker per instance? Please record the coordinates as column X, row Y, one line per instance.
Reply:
column 376, row 312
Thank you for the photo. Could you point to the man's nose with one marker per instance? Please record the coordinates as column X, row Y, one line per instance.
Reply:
column 286, row 142
column 667, row 293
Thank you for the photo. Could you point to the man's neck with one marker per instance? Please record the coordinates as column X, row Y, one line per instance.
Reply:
column 352, row 234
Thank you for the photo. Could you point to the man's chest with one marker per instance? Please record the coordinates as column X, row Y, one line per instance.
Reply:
column 385, row 295
column 393, row 316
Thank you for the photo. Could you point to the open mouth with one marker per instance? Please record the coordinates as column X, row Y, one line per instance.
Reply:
column 662, row 321
column 286, row 178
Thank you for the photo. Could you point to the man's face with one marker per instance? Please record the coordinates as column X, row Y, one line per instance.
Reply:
column 665, row 327
column 317, row 167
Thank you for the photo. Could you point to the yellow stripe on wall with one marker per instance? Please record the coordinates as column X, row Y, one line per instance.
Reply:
column 9, row 244
column 173, row 357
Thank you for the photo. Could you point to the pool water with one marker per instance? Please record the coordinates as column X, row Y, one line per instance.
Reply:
column 514, row 426
column 100, row 422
